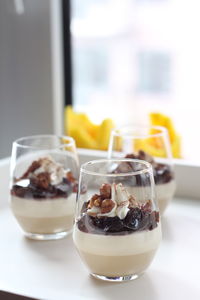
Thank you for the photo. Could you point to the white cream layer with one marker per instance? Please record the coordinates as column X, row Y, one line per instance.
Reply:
column 120, row 245
column 42, row 208
column 165, row 190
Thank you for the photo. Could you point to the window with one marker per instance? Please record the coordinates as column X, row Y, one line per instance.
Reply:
column 154, row 72
column 142, row 54
column 90, row 73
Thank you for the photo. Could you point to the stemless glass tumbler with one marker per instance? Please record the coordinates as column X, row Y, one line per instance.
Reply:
column 150, row 143
column 117, row 229
column 44, row 174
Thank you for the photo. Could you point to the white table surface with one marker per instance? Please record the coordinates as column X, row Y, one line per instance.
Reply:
column 53, row 270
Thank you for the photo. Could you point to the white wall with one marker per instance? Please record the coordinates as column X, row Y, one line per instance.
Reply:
column 26, row 72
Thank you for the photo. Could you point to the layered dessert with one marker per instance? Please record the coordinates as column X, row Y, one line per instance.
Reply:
column 163, row 176
column 43, row 198
column 116, row 235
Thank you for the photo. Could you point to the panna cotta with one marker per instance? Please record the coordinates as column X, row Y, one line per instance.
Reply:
column 43, row 198
column 116, row 235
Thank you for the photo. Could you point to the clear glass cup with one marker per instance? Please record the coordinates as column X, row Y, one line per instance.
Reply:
column 150, row 143
column 117, row 228
column 43, row 186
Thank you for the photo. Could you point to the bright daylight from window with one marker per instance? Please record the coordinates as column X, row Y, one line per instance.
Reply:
column 143, row 58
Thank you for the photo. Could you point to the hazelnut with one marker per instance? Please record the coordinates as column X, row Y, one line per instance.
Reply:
column 105, row 191
column 94, row 201
column 97, row 202
column 107, row 205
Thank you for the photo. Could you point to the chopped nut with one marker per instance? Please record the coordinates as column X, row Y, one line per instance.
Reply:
column 107, row 205
column 131, row 155
column 97, row 202
column 132, row 201
column 70, row 176
column 141, row 155
column 144, row 156
column 73, row 181
column 34, row 166
column 42, row 180
column 147, row 206
column 105, row 191
column 93, row 199
column 124, row 167
column 157, row 216
column 75, row 188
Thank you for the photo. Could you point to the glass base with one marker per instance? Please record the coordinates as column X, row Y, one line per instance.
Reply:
column 47, row 237
column 116, row 279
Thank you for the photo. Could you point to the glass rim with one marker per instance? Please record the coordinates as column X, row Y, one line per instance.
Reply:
column 124, row 131
column 18, row 141
column 83, row 168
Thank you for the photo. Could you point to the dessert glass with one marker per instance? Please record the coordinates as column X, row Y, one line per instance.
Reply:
column 43, row 185
column 150, row 143
column 117, row 228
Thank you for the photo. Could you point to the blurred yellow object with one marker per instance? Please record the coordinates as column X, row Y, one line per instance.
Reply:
column 118, row 142
column 87, row 134
column 82, row 138
column 158, row 119
column 155, row 145
column 176, row 147
column 147, row 146
column 104, row 133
